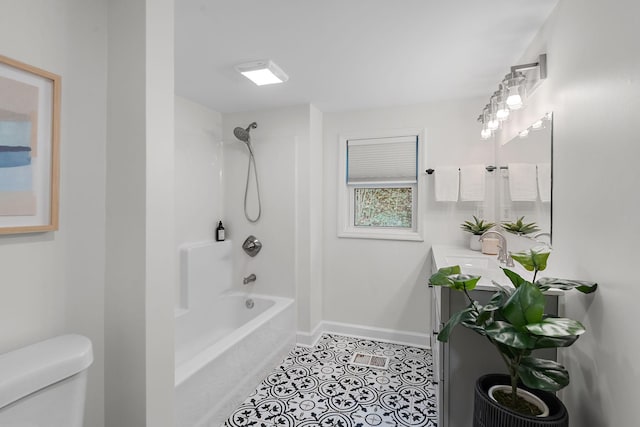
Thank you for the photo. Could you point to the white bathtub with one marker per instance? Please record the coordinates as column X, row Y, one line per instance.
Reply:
column 224, row 349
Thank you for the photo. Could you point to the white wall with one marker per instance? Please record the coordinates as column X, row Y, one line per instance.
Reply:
column 594, row 87
column 53, row 283
column 140, row 252
column 198, row 172
column 379, row 283
column 308, row 223
column 160, row 262
column 125, row 338
column 315, row 279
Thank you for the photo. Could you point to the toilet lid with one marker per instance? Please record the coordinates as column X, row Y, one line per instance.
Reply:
column 29, row 369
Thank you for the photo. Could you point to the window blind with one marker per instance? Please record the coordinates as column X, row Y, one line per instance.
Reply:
column 382, row 160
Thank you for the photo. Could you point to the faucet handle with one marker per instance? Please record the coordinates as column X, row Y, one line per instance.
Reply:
column 510, row 262
column 502, row 254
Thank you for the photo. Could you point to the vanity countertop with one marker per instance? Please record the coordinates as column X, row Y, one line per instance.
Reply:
column 477, row 263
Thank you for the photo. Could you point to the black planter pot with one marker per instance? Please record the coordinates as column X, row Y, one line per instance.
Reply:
column 488, row 413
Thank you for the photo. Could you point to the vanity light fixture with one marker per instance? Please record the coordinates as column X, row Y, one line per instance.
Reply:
column 511, row 94
column 262, row 72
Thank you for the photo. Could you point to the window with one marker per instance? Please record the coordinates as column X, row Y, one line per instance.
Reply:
column 383, row 207
column 379, row 197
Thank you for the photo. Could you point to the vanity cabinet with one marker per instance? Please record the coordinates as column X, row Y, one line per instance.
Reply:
column 466, row 356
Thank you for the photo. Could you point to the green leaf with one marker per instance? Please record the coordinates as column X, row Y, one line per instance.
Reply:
column 454, row 269
column 486, row 312
column 506, row 334
column 514, row 277
column 525, row 305
column 555, row 342
column 472, row 321
column 441, row 278
column 567, row 284
column 556, row 327
column 497, row 301
column 464, row 281
column 519, row 227
column 454, row 320
column 533, row 259
column 543, row 374
column 450, row 277
column 483, row 317
column 477, row 227
column 504, row 289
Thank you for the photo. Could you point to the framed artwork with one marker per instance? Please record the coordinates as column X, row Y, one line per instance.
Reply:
column 29, row 148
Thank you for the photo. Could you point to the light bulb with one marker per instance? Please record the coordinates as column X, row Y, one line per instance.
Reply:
column 524, row 133
column 537, row 125
column 502, row 113
column 514, row 100
column 493, row 123
column 485, row 133
column 501, row 107
column 515, row 87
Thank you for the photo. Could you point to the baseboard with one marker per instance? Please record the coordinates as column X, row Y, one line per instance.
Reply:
column 305, row 339
column 414, row 339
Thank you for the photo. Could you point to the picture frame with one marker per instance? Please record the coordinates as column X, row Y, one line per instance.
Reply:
column 29, row 148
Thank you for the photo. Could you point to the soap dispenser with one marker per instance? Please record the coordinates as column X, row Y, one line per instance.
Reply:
column 220, row 232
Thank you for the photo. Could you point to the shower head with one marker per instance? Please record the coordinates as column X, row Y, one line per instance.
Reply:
column 244, row 134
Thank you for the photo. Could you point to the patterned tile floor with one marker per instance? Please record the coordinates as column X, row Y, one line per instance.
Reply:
column 320, row 387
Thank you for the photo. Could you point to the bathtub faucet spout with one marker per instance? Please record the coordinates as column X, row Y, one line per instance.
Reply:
column 250, row 278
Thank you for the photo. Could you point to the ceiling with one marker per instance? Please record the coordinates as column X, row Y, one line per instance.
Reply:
column 350, row 54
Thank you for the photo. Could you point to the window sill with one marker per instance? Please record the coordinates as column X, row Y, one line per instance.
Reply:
column 412, row 236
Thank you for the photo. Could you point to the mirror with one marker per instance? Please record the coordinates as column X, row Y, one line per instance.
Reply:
column 524, row 185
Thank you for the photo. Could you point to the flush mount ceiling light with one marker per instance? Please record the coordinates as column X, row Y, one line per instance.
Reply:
column 510, row 95
column 263, row 72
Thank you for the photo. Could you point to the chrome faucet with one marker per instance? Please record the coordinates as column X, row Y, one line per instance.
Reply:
column 250, row 278
column 503, row 255
column 542, row 234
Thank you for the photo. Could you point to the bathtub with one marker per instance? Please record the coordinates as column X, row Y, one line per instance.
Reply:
column 223, row 349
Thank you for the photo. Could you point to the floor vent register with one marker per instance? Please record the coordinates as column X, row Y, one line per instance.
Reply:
column 370, row 360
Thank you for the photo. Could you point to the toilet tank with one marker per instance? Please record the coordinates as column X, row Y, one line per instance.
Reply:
column 44, row 384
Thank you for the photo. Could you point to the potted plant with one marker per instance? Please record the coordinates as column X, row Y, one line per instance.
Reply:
column 514, row 321
column 477, row 229
column 520, row 228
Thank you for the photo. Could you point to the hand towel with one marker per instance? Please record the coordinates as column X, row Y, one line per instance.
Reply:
column 522, row 182
column 544, row 181
column 472, row 180
column 446, row 183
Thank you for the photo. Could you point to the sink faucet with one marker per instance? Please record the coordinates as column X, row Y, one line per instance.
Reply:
column 503, row 255
column 250, row 278
column 542, row 234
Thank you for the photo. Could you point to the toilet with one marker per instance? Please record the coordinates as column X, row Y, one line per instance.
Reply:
column 44, row 384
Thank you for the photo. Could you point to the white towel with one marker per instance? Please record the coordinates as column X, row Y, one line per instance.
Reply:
column 522, row 182
column 447, row 182
column 472, row 179
column 544, row 181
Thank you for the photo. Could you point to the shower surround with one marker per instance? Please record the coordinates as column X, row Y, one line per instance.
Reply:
column 226, row 341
